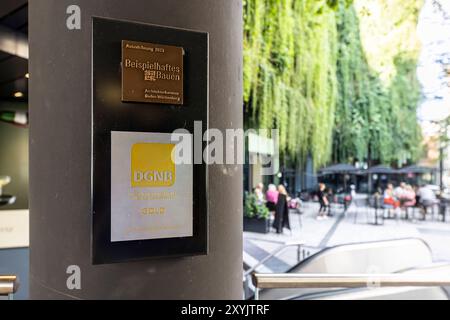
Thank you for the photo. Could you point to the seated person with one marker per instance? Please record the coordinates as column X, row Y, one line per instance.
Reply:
column 427, row 199
column 389, row 201
column 408, row 198
column 271, row 197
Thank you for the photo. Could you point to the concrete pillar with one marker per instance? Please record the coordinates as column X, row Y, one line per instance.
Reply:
column 60, row 146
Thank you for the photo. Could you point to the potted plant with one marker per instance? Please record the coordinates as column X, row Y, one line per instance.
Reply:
column 256, row 215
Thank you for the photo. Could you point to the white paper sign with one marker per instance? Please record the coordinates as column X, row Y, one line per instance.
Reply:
column 151, row 196
column 14, row 229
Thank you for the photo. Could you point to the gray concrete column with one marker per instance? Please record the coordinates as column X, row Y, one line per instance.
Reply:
column 60, row 143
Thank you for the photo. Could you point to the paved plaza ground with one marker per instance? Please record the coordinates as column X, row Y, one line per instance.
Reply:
column 341, row 229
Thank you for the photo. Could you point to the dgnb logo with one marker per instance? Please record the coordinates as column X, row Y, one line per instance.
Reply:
column 150, row 176
column 152, row 165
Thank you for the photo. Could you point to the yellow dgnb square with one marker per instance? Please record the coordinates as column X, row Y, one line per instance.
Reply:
column 152, row 165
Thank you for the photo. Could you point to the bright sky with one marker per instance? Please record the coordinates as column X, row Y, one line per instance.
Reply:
column 434, row 32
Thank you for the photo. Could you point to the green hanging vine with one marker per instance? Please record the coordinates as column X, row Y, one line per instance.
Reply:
column 306, row 73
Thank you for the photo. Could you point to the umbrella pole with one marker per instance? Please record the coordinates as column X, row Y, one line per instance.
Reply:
column 345, row 183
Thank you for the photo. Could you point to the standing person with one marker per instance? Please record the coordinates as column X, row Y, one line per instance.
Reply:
column 281, row 211
column 409, row 196
column 271, row 198
column 323, row 201
column 330, row 197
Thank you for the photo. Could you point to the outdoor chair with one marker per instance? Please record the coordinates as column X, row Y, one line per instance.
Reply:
column 376, row 203
column 409, row 211
column 361, row 204
column 387, row 209
column 443, row 208
column 331, row 209
column 338, row 205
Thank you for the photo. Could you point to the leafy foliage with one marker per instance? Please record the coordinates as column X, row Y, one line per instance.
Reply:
column 309, row 71
column 254, row 209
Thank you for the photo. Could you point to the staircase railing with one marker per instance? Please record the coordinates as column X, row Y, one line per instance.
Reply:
column 289, row 281
column 8, row 286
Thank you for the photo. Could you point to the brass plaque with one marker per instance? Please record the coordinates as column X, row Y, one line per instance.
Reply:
column 152, row 73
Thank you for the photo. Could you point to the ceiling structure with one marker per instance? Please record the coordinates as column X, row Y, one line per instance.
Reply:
column 13, row 69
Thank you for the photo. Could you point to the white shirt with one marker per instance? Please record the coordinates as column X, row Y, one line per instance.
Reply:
column 426, row 194
column 398, row 192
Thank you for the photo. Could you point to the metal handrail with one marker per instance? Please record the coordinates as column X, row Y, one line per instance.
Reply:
column 272, row 254
column 289, row 281
column 8, row 285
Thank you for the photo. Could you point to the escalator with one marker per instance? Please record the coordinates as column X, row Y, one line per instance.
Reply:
column 381, row 257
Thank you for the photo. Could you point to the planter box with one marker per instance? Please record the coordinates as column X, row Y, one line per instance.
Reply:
column 257, row 225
